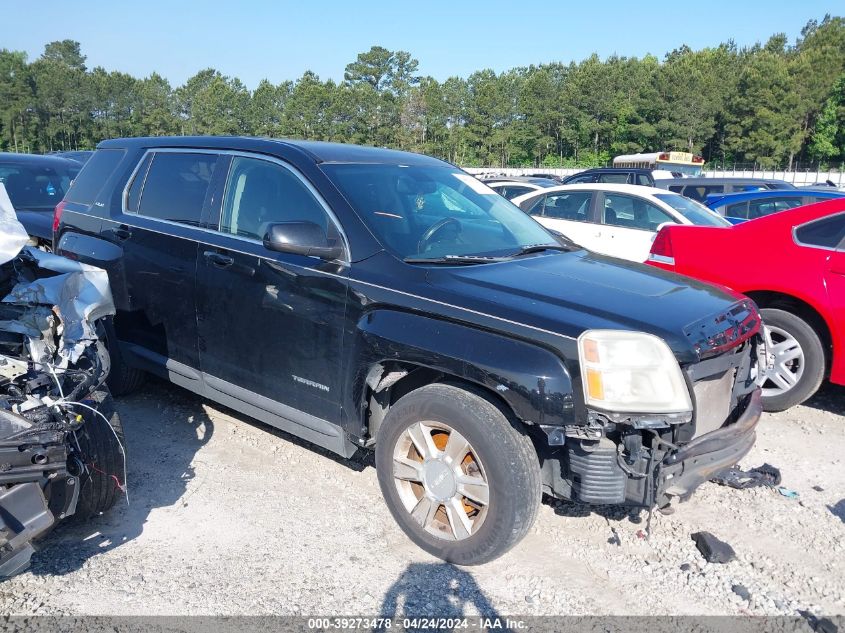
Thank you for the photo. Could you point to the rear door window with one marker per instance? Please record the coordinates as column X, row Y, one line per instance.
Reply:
column 87, row 185
column 825, row 233
column 176, row 186
column 767, row 206
column 580, row 179
column 643, row 180
column 571, row 205
column 633, row 213
column 737, row 210
column 620, row 179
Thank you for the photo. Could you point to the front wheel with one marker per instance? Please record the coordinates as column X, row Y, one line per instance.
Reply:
column 458, row 478
column 799, row 362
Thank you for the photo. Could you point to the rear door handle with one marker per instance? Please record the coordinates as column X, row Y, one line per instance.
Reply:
column 218, row 259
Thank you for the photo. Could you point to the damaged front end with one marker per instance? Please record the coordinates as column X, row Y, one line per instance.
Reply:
column 649, row 459
column 60, row 447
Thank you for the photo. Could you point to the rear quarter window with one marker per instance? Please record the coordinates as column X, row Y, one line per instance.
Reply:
column 88, row 184
column 826, row 233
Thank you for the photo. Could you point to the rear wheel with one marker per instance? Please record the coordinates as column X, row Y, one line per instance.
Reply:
column 799, row 361
column 123, row 379
column 458, row 478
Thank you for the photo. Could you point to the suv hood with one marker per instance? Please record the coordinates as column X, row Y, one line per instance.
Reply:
column 568, row 293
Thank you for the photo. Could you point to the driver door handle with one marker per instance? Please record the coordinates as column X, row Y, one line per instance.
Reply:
column 218, row 259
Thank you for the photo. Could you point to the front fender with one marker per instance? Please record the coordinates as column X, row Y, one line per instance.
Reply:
column 533, row 380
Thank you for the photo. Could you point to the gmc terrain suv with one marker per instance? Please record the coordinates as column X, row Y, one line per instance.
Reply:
column 360, row 297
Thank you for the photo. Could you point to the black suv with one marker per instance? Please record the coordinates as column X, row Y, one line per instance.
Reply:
column 615, row 175
column 360, row 297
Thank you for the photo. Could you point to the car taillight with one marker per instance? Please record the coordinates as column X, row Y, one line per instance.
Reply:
column 57, row 215
column 661, row 248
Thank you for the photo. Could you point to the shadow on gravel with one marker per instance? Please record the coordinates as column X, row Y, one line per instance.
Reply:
column 838, row 509
column 435, row 589
column 611, row 513
column 829, row 398
column 165, row 426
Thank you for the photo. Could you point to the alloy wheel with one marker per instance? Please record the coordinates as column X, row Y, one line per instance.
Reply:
column 440, row 480
column 788, row 359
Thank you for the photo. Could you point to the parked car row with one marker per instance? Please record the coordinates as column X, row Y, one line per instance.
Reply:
column 798, row 291
column 364, row 298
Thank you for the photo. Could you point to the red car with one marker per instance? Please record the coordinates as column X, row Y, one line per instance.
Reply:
column 793, row 265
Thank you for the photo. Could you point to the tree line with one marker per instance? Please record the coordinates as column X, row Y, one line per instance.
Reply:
column 774, row 105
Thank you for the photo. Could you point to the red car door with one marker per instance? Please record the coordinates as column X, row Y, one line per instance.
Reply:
column 827, row 237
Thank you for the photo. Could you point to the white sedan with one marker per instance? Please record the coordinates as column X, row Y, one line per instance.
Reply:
column 617, row 220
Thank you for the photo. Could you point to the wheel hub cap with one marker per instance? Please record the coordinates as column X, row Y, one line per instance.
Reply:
column 787, row 361
column 439, row 480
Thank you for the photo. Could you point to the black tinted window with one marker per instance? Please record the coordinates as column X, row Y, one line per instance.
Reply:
column 585, row 178
column 176, row 185
column 94, row 175
column 767, row 206
column 827, row 232
column 260, row 193
column 700, row 192
column 137, row 185
column 511, row 192
column 620, row 179
column 738, row 210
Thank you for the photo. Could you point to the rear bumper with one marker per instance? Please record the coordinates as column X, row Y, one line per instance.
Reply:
column 686, row 468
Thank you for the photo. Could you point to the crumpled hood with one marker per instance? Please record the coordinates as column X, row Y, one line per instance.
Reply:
column 568, row 293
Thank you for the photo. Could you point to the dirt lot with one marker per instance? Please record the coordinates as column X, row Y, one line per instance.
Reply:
column 228, row 517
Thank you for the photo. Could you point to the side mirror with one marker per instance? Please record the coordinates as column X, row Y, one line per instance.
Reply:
column 301, row 238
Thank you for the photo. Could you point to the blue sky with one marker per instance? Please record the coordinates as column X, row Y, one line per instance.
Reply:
column 280, row 40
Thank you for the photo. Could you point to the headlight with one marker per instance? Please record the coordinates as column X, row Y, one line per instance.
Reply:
column 631, row 372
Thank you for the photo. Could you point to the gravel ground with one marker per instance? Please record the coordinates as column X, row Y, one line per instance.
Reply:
column 227, row 516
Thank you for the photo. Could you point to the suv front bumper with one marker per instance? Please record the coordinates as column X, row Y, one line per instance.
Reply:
column 684, row 469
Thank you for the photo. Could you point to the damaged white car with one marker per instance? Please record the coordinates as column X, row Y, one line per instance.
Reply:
column 61, row 443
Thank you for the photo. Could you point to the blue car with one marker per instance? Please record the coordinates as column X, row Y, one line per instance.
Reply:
column 749, row 205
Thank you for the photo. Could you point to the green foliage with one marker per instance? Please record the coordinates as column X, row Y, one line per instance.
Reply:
column 771, row 104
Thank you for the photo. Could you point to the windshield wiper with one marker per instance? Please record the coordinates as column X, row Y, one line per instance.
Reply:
column 539, row 248
column 456, row 259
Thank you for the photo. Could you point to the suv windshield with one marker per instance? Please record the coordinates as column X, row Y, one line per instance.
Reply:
column 36, row 186
column 435, row 212
column 693, row 211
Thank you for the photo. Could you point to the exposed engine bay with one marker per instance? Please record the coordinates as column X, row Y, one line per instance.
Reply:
column 61, row 448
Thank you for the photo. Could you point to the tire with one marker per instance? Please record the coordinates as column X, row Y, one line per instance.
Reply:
column 123, row 379
column 779, row 392
column 102, row 455
column 496, row 453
